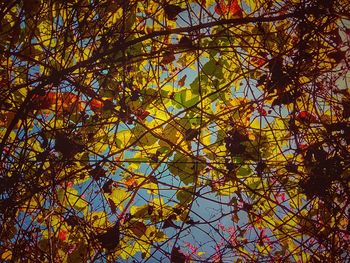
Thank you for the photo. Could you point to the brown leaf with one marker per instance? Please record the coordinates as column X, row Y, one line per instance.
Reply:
column 110, row 239
column 112, row 205
column 185, row 42
column 74, row 220
column 190, row 134
column 235, row 218
column 67, row 146
column 138, row 228
column 172, row 11
column 150, row 209
column 177, row 256
column 337, row 55
column 346, row 108
column 169, row 222
column 97, row 172
column 168, row 57
column 107, row 187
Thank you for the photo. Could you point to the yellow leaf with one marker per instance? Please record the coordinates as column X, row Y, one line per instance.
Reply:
column 251, row 4
column 71, row 198
column 124, row 137
column 119, row 197
column 34, row 203
column 152, row 188
column 45, row 33
column 98, row 219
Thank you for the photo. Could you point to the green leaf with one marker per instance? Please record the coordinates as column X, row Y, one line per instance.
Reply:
column 185, row 98
column 244, row 171
column 183, row 167
column 185, row 195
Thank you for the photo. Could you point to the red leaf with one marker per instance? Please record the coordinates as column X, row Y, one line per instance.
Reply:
column 258, row 61
column 62, row 235
column 306, row 117
column 142, row 114
column 231, row 8
column 234, row 8
column 221, row 8
column 262, row 112
column 302, row 114
column 65, row 100
column 302, row 147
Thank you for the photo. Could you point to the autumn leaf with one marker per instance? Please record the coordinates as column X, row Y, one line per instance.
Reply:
column 232, row 8
column 138, row 228
column 69, row 102
column 131, row 182
column 169, row 222
column 6, row 255
column 98, row 172
column 262, row 111
column 44, row 102
column 107, row 186
column 172, row 11
column 112, row 205
column 174, row 118
column 6, row 118
column 64, row 101
column 110, row 238
column 67, row 146
column 177, row 256
column 96, row 104
column 306, row 117
column 62, row 235
column 185, row 42
column 181, row 82
column 74, row 221
column 142, row 114
column 190, row 134
column 168, row 57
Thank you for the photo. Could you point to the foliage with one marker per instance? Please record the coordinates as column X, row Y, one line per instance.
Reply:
column 181, row 131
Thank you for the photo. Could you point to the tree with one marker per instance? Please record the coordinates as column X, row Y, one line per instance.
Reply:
column 181, row 131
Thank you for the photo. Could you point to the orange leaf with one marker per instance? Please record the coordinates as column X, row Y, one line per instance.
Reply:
column 66, row 100
column 6, row 118
column 131, row 183
column 70, row 102
column 181, row 82
column 96, row 105
column 44, row 102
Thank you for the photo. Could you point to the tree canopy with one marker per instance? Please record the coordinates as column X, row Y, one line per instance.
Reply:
column 174, row 131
